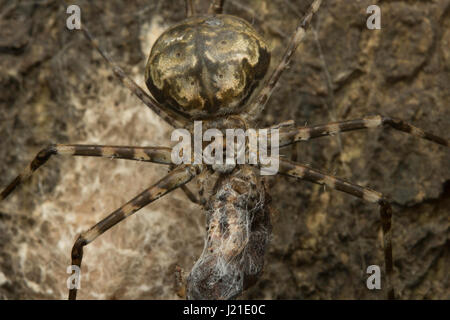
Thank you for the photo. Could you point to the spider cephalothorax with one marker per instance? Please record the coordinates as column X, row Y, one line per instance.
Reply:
column 207, row 66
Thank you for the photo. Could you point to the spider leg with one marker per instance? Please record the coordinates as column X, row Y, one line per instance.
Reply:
column 173, row 119
column 202, row 179
column 303, row 172
column 257, row 104
column 191, row 196
column 293, row 135
column 216, row 7
column 159, row 155
column 251, row 15
column 176, row 178
column 190, row 10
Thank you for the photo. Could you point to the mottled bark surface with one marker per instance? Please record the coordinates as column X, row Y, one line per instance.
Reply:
column 56, row 89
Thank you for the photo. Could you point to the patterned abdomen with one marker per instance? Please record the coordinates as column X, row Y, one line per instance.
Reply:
column 238, row 231
column 206, row 66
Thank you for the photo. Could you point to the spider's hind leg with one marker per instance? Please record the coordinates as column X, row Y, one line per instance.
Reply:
column 168, row 116
column 216, row 6
column 190, row 9
column 258, row 102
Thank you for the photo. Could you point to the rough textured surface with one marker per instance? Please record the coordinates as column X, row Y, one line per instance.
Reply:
column 55, row 88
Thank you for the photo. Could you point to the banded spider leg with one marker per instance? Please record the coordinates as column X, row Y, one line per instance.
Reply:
column 159, row 155
column 303, row 172
column 176, row 178
column 290, row 135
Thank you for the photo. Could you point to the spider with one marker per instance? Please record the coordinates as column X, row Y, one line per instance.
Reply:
column 209, row 278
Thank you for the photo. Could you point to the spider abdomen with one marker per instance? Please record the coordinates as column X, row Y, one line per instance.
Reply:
column 207, row 66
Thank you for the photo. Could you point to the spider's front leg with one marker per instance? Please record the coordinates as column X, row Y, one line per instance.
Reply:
column 176, row 178
column 303, row 172
column 150, row 154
